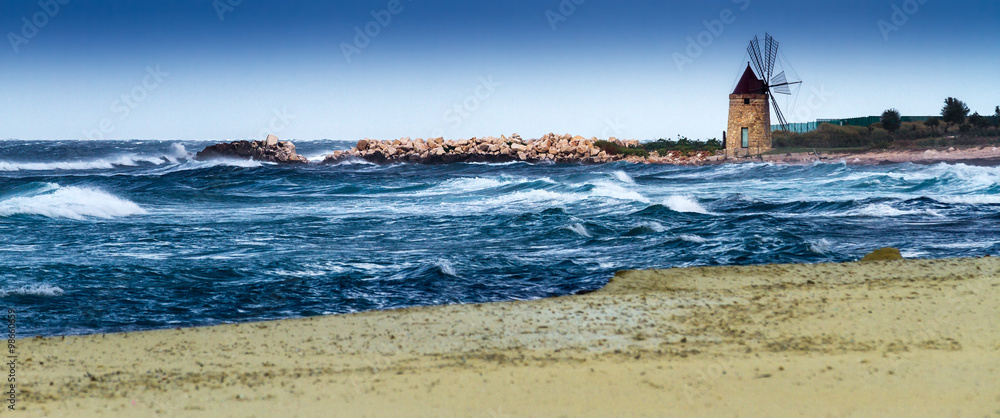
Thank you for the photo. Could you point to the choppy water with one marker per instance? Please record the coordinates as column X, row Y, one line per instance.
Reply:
column 116, row 236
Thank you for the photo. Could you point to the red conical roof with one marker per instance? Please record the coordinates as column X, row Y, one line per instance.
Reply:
column 749, row 83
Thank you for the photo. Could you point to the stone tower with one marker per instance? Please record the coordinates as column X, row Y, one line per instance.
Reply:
column 749, row 131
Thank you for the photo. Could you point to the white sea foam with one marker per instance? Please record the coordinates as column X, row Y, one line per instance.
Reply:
column 622, row 177
column 55, row 201
column 447, row 269
column 687, row 204
column 692, row 238
column 229, row 162
column 820, row 247
column 981, row 199
column 579, row 229
column 615, row 191
column 470, row 184
column 32, row 290
column 496, row 164
column 882, row 210
column 912, row 254
column 655, row 226
column 177, row 152
column 534, row 196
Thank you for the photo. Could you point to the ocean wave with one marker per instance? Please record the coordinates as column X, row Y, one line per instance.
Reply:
column 654, row 226
column 969, row 199
column 32, row 290
column 615, row 191
column 622, row 177
column 446, row 268
column 685, row 204
column 534, row 196
column 692, row 238
column 466, row 185
column 469, row 184
column 821, row 246
column 79, row 203
column 176, row 153
column 882, row 210
column 578, row 229
column 496, row 164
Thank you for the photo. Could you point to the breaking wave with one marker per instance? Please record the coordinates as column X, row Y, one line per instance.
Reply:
column 685, row 204
column 176, row 154
column 32, row 290
column 71, row 202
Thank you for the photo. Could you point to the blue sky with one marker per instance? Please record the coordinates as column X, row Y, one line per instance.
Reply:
column 228, row 69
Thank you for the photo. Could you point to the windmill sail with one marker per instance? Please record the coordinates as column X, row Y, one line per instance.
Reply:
column 770, row 55
column 781, row 116
column 779, row 84
column 755, row 58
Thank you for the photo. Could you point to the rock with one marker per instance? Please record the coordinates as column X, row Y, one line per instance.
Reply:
column 362, row 145
column 269, row 150
column 883, row 255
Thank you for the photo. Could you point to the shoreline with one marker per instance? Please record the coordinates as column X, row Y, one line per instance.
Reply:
column 912, row 336
column 978, row 155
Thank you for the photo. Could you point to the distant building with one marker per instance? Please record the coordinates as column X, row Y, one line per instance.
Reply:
column 749, row 130
column 861, row 121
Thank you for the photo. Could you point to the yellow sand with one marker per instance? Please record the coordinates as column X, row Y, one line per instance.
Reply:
column 887, row 338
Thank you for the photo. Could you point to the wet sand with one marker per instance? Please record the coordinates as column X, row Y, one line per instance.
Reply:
column 901, row 338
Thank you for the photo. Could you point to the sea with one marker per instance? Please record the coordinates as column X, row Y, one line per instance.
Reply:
column 116, row 236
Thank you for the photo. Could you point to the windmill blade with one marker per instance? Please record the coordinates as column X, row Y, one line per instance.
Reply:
column 780, row 84
column 755, row 58
column 781, row 116
column 770, row 55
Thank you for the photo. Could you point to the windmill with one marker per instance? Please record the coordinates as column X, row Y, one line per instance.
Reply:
column 763, row 63
column 749, row 130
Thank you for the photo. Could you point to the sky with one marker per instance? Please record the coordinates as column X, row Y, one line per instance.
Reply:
column 384, row 69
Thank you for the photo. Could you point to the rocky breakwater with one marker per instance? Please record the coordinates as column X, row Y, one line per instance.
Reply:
column 552, row 148
column 269, row 150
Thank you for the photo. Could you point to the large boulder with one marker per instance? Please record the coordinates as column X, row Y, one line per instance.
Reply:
column 269, row 150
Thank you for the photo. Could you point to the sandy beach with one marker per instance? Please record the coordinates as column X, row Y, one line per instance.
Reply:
column 985, row 155
column 901, row 338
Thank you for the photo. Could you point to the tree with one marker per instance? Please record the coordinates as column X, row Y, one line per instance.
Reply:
column 996, row 117
column 891, row 121
column 979, row 121
column 933, row 124
column 954, row 111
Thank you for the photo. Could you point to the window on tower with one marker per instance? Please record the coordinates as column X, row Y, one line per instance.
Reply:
column 746, row 101
column 746, row 137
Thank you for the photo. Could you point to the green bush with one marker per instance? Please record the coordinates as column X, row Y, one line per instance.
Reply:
column 682, row 145
column 827, row 136
column 614, row 149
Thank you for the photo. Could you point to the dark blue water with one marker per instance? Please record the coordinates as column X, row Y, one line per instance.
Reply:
column 115, row 236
